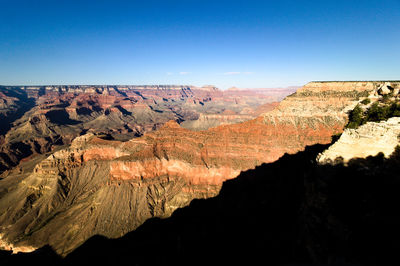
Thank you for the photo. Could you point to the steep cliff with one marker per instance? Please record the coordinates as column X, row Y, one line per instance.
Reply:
column 91, row 188
column 106, row 187
column 289, row 212
column 36, row 120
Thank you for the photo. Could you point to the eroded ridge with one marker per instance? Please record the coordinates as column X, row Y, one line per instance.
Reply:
column 110, row 187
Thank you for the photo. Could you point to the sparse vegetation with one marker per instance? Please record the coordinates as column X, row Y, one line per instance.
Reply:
column 386, row 98
column 378, row 111
column 366, row 101
column 332, row 93
column 355, row 117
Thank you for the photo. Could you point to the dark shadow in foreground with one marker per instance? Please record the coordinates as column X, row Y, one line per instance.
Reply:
column 292, row 211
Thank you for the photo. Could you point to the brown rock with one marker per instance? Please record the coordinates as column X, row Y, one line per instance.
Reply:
column 105, row 187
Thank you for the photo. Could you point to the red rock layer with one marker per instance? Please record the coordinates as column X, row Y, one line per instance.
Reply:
column 111, row 187
column 61, row 113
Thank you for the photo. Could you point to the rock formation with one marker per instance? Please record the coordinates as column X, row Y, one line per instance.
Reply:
column 110, row 187
column 367, row 140
column 36, row 120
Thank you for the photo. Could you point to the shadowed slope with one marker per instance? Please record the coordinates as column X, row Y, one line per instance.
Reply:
column 13, row 104
column 290, row 211
column 111, row 187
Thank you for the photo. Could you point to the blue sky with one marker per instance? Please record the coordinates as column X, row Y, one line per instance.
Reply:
column 224, row 43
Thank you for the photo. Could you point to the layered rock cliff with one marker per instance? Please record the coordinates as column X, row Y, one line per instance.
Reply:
column 36, row 120
column 106, row 187
column 289, row 212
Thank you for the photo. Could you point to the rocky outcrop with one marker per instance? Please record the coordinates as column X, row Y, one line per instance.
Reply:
column 96, row 187
column 367, row 140
column 36, row 120
column 290, row 212
column 110, row 187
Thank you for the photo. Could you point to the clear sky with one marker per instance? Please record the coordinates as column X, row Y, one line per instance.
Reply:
column 225, row 43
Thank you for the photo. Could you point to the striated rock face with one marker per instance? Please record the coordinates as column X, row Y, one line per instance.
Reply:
column 367, row 140
column 36, row 120
column 206, row 121
column 96, row 187
column 110, row 187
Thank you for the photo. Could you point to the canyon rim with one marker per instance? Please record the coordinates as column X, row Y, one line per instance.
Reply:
column 102, row 186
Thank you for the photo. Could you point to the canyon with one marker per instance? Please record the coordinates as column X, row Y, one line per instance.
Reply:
column 98, row 173
column 37, row 120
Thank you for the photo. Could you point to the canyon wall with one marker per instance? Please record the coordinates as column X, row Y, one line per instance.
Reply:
column 110, row 187
column 37, row 120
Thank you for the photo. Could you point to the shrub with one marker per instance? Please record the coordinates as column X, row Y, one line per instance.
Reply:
column 395, row 109
column 366, row 101
column 355, row 117
column 377, row 113
column 386, row 98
